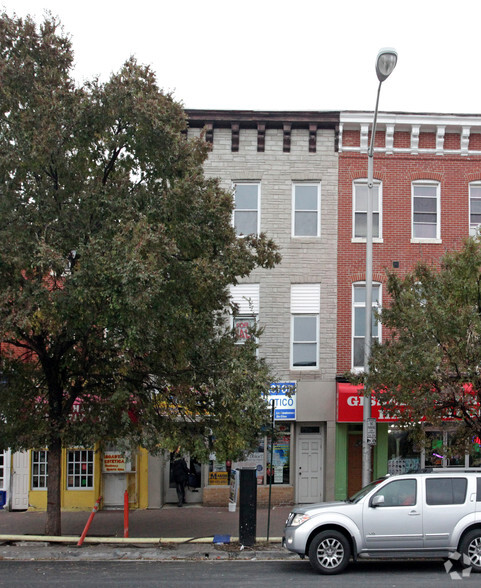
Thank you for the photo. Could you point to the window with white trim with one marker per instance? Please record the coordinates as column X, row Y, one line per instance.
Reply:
column 306, row 204
column 305, row 310
column 359, row 215
column 245, row 297
column 426, row 223
column 247, row 208
column 2, row 469
column 359, row 320
column 474, row 207
column 39, row 470
column 80, row 469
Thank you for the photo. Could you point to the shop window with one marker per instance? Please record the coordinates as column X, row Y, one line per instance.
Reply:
column 277, row 472
column 80, row 469
column 39, row 470
column 402, row 457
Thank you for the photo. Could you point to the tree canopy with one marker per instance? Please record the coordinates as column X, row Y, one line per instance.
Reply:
column 428, row 368
column 116, row 258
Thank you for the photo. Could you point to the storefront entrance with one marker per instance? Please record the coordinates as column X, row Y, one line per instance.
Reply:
column 118, row 475
column 310, row 470
column 193, row 490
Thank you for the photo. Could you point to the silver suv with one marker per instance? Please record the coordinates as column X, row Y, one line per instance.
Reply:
column 429, row 514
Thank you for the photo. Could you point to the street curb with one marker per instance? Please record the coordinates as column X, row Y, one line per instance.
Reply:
column 124, row 540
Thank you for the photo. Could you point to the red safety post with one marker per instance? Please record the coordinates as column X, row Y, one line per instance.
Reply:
column 89, row 522
column 126, row 514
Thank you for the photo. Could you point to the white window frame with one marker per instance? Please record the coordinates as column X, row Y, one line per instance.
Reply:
column 363, row 182
column 3, row 463
column 75, row 476
column 305, row 302
column 258, row 210
column 295, row 210
column 39, row 458
column 437, row 185
column 354, row 305
column 246, row 298
column 473, row 227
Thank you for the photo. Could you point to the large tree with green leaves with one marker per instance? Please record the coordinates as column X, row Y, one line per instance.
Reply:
column 428, row 369
column 115, row 263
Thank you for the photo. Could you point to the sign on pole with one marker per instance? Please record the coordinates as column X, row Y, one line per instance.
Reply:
column 371, row 431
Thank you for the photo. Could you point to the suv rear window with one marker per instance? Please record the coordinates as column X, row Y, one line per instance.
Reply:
column 446, row 490
column 478, row 489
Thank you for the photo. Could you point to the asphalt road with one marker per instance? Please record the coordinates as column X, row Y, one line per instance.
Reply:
column 200, row 574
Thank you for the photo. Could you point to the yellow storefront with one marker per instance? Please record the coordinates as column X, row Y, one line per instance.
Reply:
column 88, row 474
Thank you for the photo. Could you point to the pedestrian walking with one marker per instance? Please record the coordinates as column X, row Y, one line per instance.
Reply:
column 180, row 474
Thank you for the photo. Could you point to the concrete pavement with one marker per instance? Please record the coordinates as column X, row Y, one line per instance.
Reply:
column 190, row 532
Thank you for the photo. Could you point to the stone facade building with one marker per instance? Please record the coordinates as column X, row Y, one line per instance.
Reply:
column 282, row 168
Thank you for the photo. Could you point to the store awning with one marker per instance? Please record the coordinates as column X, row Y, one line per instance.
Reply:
column 350, row 401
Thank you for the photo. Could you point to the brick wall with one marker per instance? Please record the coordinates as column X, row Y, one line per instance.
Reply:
column 219, row 495
column 397, row 171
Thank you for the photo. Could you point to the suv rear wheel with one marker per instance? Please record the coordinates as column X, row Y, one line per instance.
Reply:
column 329, row 552
column 471, row 548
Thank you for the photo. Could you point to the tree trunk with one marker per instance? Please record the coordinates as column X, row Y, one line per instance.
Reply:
column 53, row 524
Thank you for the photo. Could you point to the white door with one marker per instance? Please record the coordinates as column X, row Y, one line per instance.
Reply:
column 115, row 486
column 20, row 478
column 310, row 476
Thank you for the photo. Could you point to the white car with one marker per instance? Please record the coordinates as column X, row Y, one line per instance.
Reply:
column 429, row 514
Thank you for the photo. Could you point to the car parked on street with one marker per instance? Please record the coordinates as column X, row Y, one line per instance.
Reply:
column 429, row 514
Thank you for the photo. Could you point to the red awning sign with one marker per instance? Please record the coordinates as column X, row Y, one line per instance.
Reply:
column 350, row 402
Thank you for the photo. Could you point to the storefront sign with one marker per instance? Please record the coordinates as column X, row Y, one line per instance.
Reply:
column 284, row 405
column 218, row 478
column 115, row 462
column 350, row 402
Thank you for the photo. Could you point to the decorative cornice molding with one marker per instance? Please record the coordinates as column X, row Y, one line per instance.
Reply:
column 414, row 124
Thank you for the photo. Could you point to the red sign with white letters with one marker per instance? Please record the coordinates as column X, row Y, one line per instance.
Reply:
column 350, row 401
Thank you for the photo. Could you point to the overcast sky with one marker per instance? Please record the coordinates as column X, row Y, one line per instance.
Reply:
column 279, row 55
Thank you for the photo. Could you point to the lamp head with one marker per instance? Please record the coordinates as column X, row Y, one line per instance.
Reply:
column 385, row 63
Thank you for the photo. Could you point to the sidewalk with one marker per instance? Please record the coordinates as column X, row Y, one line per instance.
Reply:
column 191, row 532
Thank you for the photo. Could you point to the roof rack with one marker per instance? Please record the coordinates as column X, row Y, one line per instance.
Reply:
column 449, row 470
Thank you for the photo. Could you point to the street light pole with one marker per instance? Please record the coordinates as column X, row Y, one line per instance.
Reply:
column 385, row 63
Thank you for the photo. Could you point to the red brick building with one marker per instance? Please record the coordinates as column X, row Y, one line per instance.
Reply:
column 427, row 199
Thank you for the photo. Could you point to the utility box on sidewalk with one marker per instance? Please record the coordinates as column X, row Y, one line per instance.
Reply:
column 247, row 506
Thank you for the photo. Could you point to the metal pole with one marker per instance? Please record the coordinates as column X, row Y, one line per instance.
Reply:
column 366, row 414
column 270, row 477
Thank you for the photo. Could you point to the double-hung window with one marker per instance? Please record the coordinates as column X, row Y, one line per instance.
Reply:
column 245, row 297
column 305, row 310
column 426, row 215
column 80, row 469
column 474, row 207
column 359, row 321
column 2, row 469
column 39, row 470
column 360, row 199
column 306, row 203
column 247, row 208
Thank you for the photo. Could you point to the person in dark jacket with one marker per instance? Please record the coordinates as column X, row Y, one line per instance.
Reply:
column 180, row 474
